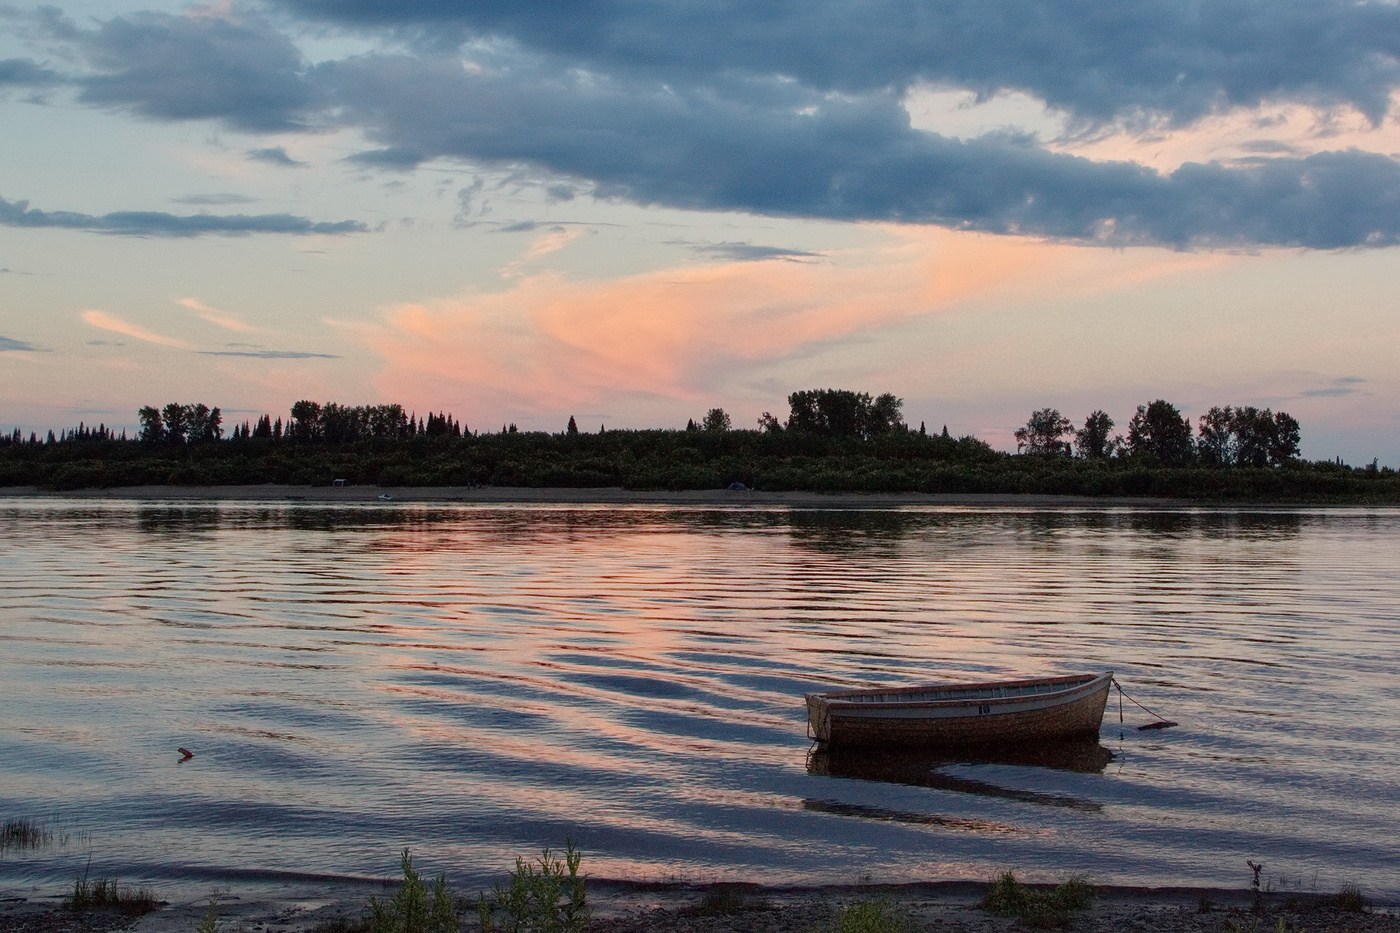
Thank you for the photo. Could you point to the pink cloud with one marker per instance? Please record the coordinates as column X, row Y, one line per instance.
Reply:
column 215, row 316
column 105, row 321
column 551, row 344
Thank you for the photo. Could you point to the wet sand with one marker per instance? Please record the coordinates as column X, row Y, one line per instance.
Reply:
column 627, row 907
column 593, row 496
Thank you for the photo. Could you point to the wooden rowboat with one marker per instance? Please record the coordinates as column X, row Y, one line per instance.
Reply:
column 1003, row 713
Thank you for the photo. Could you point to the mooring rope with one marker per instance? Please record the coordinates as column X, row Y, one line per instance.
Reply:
column 1162, row 721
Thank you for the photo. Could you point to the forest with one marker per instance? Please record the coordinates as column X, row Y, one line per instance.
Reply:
column 832, row 440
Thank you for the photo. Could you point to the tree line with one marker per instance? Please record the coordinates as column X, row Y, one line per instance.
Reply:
column 830, row 440
column 1226, row 436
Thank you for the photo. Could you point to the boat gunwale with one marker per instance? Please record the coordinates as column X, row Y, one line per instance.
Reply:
column 837, row 700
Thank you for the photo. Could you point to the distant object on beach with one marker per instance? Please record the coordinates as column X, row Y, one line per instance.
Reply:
column 939, row 715
column 385, row 497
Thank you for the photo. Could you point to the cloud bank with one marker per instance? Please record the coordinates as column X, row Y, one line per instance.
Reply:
column 797, row 110
column 1097, row 61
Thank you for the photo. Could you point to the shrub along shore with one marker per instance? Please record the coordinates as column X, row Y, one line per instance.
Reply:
column 834, row 441
column 906, row 462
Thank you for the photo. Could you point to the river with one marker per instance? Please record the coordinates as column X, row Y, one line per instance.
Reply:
column 477, row 682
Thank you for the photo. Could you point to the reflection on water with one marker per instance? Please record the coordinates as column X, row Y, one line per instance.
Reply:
column 926, row 769
column 477, row 682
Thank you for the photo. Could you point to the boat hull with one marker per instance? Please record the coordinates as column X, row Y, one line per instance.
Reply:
column 1005, row 713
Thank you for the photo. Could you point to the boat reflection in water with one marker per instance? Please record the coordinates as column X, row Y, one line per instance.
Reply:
column 927, row 769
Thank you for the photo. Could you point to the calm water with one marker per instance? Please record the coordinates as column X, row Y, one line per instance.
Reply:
column 477, row 682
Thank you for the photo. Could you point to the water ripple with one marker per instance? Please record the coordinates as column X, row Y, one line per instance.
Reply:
column 476, row 682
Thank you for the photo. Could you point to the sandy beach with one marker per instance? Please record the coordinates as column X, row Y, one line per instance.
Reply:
column 593, row 496
column 630, row 907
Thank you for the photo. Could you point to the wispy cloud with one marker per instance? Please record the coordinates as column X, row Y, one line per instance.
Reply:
column 23, row 346
column 550, row 241
column 161, row 224
column 272, row 354
column 1346, row 385
column 106, row 321
column 215, row 316
column 747, row 252
column 214, row 199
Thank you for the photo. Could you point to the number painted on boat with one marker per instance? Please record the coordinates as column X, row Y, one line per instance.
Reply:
column 983, row 709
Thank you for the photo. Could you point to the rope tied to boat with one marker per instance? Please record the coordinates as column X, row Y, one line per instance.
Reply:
column 1161, row 722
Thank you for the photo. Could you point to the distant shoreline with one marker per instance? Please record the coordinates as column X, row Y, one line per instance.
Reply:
column 507, row 495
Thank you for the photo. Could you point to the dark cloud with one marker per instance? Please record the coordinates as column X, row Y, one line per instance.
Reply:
column 1093, row 59
column 271, row 354
column 747, row 252
column 8, row 343
column 190, row 68
column 777, row 148
column 275, row 155
column 393, row 159
column 158, row 223
column 709, row 106
column 1347, row 385
column 522, row 226
column 214, row 199
column 19, row 72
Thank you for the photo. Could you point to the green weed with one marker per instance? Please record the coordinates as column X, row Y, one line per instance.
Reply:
column 877, row 916
column 546, row 895
column 1039, row 909
column 209, row 923
column 414, row 908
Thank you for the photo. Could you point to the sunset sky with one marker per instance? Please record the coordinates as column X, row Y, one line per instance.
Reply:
column 632, row 212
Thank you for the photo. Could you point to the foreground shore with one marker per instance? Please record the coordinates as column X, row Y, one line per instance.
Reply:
column 587, row 496
column 621, row 907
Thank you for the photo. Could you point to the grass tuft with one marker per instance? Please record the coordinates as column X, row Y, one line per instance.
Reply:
column 877, row 916
column 730, row 899
column 107, row 894
column 1043, row 910
column 341, row 925
column 1350, row 899
column 23, row 834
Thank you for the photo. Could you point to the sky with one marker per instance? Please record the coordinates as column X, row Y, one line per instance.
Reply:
column 633, row 212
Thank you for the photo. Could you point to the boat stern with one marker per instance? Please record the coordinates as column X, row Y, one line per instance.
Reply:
column 818, row 717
